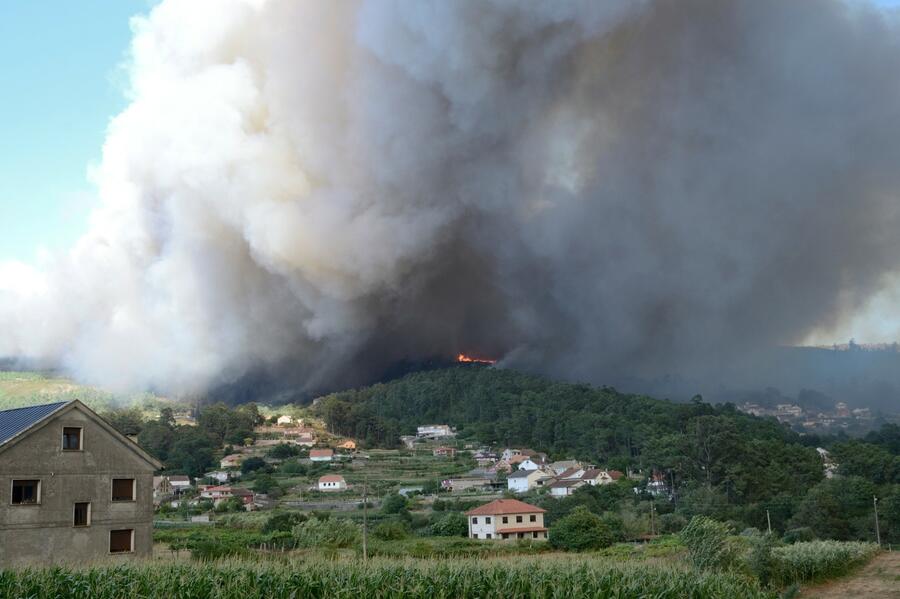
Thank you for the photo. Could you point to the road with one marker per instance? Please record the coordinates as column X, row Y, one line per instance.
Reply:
column 879, row 579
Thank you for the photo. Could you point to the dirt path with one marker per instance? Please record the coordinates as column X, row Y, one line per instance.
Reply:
column 879, row 579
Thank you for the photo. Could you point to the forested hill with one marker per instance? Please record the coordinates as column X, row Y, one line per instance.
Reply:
column 746, row 457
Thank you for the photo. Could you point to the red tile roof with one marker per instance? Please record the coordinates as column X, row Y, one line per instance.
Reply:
column 331, row 478
column 504, row 506
column 321, row 453
column 615, row 474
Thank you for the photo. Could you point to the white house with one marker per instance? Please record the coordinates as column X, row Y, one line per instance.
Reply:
column 434, row 431
column 179, row 482
column 563, row 488
column 521, row 481
column 284, row 420
column 507, row 519
column 231, row 461
column 528, row 464
column 332, row 482
column 222, row 476
column 321, row 455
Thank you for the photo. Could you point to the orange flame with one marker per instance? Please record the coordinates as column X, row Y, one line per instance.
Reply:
column 464, row 359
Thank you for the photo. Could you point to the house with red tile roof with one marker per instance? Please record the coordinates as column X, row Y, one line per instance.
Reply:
column 507, row 519
column 332, row 482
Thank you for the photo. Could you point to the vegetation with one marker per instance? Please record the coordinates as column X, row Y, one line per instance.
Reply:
column 581, row 531
column 707, row 543
column 498, row 578
column 819, row 560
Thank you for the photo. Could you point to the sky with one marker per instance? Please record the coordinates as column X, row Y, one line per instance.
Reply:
column 62, row 79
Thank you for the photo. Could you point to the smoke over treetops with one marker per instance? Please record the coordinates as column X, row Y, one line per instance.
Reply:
column 589, row 189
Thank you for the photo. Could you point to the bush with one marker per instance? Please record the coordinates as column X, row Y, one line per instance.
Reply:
column 798, row 535
column 393, row 504
column 391, row 531
column 580, row 531
column 283, row 522
column 292, row 467
column 672, row 523
column 283, row 451
column 760, row 560
column 707, row 543
column 252, row 465
column 335, row 533
column 451, row 524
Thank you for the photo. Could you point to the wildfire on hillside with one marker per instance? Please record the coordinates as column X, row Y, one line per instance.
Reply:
column 464, row 359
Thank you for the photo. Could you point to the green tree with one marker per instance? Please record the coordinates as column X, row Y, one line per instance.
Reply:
column 394, row 504
column 450, row 524
column 838, row 508
column 252, row 465
column 580, row 531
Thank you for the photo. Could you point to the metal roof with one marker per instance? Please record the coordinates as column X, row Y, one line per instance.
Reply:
column 13, row 422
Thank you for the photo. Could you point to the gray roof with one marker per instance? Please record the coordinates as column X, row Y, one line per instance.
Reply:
column 520, row 474
column 13, row 422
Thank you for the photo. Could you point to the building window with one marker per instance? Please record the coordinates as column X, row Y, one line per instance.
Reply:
column 123, row 489
column 71, row 439
column 121, row 541
column 520, row 535
column 487, row 520
column 505, row 535
column 474, row 520
column 82, row 516
column 487, row 536
column 505, row 520
column 518, row 518
column 26, row 492
column 532, row 518
column 534, row 535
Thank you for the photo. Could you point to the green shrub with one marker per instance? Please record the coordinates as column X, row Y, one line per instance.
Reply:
column 580, row 531
column 283, row 522
column 391, row 531
column 335, row 532
column 451, row 524
column 707, row 543
column 798, row 535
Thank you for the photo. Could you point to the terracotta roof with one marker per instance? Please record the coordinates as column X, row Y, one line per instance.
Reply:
column 331, row 478
column 591, row 474
column 504, row 506
column 569, row 473
column 514, row 530
column 615, row 474
column 320, row 453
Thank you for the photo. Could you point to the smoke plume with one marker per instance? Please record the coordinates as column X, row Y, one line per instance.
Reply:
column 594, row 190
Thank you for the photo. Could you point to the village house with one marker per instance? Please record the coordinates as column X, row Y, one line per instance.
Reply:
column 332, row 482
column 222, row 493
column 284, row 420
column 463, row 483
column 434, row 431
column 179, row 483
column 507, row 519
column 563, row 465
column 564, row 488
column 347, row 444
column 444, row 452
column 222, row 476
column 78, row 490
column 231, row 461
column 321, row 455
column 522, row 481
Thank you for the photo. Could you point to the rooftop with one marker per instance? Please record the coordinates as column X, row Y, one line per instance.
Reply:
column 17, row 420
column 331, row 478
column 504, row 506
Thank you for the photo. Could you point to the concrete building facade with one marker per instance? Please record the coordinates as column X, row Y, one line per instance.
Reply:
column 72, row 488
column 507, row 519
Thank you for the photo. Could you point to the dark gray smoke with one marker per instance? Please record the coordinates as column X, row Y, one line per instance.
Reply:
column 594, row 190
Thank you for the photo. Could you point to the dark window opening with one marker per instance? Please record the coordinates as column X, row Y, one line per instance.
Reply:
column 532, row 518
column 534, row 535
column 71, row 439
column 487, row 520
column 505, row 519
column 82, row 515
column 25, row 491
column 474, row 520
column 487, row 536
column 518, row 518
column 120, row 541
column 520, row 535
column 123, row 489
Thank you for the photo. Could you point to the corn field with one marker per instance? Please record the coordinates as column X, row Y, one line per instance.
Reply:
column 818, row 560
column 523, row 577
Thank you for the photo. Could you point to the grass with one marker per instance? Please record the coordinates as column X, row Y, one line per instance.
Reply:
column 20, row 389
column 546, row 576
column 820, row 560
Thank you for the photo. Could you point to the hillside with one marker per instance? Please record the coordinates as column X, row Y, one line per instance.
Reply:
column 18, row 388
column 745, row 457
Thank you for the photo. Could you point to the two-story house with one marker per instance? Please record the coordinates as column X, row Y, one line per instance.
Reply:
column 507, row 519
column 72, row 488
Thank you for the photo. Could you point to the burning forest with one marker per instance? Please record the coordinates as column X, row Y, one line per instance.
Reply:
column 593, row 190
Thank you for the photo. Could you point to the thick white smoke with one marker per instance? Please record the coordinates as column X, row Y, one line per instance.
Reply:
column 594, row 189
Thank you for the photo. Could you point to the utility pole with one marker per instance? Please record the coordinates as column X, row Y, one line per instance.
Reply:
column 652, row 522
column 365, row 516
column 877, row 531
column 769, row 521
